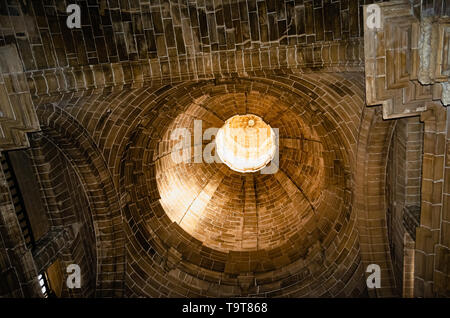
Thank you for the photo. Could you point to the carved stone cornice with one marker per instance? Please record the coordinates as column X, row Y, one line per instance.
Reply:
column 17, row 113
column 406, row 59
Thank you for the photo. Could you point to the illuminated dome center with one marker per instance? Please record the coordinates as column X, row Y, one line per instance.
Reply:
column 245, row 143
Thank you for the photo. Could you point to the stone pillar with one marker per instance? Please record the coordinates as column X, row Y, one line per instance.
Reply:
column 432, row 236
column 407, row 72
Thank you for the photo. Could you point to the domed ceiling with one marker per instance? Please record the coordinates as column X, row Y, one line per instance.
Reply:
column 240, row 211
column 216, row 228
column 200, row 227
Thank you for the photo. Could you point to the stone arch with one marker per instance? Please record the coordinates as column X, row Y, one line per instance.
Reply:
column 369, row 200
column 71, row 138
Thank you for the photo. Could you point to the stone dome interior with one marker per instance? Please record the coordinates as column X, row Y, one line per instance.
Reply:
column 226, row 223
column 228, row 210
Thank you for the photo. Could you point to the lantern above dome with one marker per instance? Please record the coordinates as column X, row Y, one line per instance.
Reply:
column 245, row 143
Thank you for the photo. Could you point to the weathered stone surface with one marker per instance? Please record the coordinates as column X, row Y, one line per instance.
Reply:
column 17, row 115
column 405, row 59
